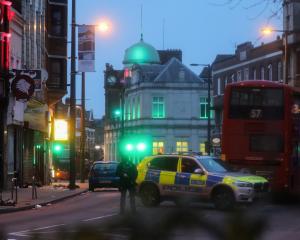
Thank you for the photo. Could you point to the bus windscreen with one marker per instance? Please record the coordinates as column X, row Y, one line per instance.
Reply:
column 256, row 103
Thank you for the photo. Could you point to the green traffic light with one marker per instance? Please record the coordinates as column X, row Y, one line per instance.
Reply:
column 117, row 113
column 57, row 148
column 141, row 147
column 129, row 147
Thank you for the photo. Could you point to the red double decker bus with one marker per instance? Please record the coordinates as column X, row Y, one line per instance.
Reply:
column 260, row 132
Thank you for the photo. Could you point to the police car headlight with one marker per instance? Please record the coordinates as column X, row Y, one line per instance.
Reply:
column 243, row 184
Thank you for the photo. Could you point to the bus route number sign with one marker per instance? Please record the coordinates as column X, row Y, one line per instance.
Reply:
column 255, row 113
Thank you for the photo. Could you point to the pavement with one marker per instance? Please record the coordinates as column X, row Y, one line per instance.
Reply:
column 46, row 195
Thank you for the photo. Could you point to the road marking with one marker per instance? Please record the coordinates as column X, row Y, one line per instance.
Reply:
column 52, row 226
column 101, row 217
column 24, row 233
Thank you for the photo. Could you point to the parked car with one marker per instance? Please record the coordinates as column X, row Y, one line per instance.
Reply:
column 103, row 174
column 195, row 177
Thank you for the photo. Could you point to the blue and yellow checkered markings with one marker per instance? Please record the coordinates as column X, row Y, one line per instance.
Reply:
column 153, row 176
column 213, row 179
column 182, row 179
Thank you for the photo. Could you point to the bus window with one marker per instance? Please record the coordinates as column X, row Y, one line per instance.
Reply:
column 256, row 103
column 266, row 143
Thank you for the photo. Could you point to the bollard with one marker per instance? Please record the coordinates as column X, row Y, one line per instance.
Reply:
column 34, row 191
column 14, row 187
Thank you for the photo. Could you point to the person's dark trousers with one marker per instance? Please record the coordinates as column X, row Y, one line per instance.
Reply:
column 123, row 200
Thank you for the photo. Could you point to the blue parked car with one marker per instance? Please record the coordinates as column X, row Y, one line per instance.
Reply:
column 103, row 174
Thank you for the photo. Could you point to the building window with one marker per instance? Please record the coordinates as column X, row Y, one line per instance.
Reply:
column 243, row 55
column 182, row 146
column 279, row 72
column 181, row 75
column 232, row 78
column 158, row 148
column 254, row 74
column 239, row 76
column 203, row 108
column 57, row 21
column 138, row 108
column 225, row 82
column 133, row 109
column 55, row 78
column 262, row 73
column 270, row 75
column 219, row 86
column 128, row 110
column 158, row 107
column 202, row 148
column 246, row 74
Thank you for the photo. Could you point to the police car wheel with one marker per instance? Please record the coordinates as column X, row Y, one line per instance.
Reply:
column 223, row 199
column 150, row 195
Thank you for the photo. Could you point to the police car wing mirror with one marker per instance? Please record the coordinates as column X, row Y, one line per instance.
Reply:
column 199, row 171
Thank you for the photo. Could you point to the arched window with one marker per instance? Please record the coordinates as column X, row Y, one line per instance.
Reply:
column 279, row 71
column 270, row 75
column 262, row 73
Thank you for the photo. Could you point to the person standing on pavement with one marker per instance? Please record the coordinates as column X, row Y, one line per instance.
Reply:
column 127, row 173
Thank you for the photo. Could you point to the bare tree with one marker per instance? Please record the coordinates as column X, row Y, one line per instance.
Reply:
column 273, row 7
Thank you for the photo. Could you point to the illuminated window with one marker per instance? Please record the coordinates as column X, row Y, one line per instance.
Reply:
column 202, row 148
column 182, row 146
column 204, row 108
column 158, row 107
column 158, row 148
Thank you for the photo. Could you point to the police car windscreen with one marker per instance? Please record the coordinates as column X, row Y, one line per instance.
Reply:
column 213, row 164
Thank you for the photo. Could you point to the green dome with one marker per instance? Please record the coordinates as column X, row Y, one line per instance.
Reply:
column 141, row 53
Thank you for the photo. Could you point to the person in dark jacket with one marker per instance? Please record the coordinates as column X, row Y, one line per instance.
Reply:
column 127, row 172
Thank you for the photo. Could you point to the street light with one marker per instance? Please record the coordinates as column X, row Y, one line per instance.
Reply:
column 104, row 28
column 267, row 31
column 208, row 80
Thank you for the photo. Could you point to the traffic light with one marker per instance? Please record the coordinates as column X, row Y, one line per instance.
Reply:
column 5, row 16
column 135, row 146
column 117, row 113
column 58, row 148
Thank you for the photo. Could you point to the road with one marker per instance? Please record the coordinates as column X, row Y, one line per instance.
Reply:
column 100, row 210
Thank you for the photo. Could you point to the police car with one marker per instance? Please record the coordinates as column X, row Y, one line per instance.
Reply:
column 195, row 177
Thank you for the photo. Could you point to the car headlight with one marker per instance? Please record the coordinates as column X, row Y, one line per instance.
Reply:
column 243, row 184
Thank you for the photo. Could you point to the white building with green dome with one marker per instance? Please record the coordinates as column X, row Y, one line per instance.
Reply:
column 165, row 105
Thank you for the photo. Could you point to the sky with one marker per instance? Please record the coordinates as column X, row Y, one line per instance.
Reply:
column 200, row 28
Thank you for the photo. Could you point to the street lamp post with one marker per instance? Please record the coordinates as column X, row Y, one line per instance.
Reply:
column 72, row 179
column 268, row 31
column 83, row 137
column 208, row 80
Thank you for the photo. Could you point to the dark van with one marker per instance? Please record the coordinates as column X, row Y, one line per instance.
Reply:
column 103, row 174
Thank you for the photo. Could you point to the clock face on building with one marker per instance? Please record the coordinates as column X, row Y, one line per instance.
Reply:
column 111, row 80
